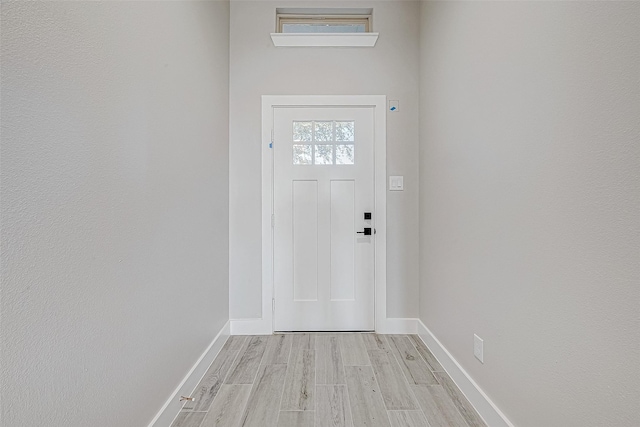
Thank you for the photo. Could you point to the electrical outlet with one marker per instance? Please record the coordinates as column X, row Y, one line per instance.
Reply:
column 478, row 348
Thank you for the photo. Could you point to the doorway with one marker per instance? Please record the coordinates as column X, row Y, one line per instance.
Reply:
column 323, row 225
column 324, row 188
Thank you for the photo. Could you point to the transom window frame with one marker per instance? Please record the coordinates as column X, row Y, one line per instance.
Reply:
column 328, row 19
column 325, row 38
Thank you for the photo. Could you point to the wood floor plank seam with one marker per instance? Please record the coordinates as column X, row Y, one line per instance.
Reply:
column 378, row 382
column 282, row 393
column 246, row 366
column 290, row 350
column 366, row 397
column 393, row 386
column 408, row 419
column 210, row 383
column 232, row 339
column 299, row 387
column 415, row 368
column 415, row 396
column 336, row 408
column 348, row 403
column 296, row 419
column 264, row 410
column 346, row 389
column 224, row 381
column 439, row 408
column 426, row 354
column 460, row 401
column 329, row 363
column 228, row 406
column 353, row 350
column 271, row 349
column 189, row 419
column 391, row 354
column 228, row 345
column 253, row 383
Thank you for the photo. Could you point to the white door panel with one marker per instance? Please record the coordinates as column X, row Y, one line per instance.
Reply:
column 343, row 247
column 323, row 185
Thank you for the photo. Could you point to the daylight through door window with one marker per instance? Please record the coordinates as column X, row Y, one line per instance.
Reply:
column 323, row 142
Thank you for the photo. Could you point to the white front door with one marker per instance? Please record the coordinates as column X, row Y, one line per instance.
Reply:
column 323, row 199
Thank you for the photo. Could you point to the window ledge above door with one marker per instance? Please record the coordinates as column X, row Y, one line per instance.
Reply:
column 324, row 39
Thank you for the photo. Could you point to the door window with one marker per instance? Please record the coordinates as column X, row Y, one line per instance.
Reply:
column 324, row 142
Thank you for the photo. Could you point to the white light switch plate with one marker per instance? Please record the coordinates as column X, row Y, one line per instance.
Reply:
column 396, row 183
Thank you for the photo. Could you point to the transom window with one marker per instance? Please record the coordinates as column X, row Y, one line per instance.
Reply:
column 323, row 142
column 339, row 20
column 315, row 24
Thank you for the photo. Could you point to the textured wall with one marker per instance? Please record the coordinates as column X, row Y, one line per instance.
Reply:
column 114, row 169
column 258, row 68
column 530, row 201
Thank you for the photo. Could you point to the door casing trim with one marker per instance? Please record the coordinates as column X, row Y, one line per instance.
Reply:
column 265, row 325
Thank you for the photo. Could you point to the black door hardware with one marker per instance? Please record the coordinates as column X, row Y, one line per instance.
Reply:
column 366, row 232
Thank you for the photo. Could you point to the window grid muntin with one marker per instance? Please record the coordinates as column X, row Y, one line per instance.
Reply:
column 314, row 142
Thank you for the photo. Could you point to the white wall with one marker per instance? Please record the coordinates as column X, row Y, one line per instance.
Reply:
column 258, row 68
column 529, row 202
column 114, row 205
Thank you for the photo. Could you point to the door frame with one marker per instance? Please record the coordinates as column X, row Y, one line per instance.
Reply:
column 378, row 103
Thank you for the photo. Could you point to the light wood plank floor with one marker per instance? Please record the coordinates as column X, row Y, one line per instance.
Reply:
column 332, row 380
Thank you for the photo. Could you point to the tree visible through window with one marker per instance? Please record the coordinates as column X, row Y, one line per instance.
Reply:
column 323, row 142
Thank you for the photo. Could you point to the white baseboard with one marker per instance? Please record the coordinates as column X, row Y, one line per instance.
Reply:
column 392, row 325
column 172, row 406
column 251, row 327
column 480, row 401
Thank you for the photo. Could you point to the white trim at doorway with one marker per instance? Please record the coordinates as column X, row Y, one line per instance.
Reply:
column 264, row 325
